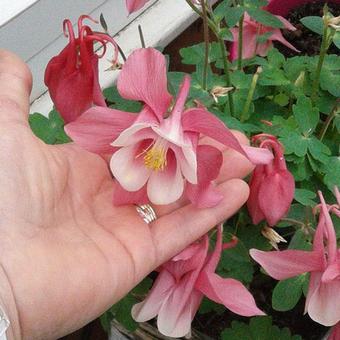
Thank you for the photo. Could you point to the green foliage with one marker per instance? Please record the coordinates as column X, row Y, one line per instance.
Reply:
column 259, row 328
column 287, row 293
column 112, row 95
column 49, row 129
column 314, row 23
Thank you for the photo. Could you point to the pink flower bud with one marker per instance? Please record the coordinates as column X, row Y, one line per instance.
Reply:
column 271, row 186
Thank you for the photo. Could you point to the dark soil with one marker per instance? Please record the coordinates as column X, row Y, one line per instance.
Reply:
column 303, row 39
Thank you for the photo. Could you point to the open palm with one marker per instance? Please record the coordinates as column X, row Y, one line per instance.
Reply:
column 66, row 253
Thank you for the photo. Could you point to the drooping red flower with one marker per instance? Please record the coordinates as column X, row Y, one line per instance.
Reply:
column 271, row 186
column 72, row 75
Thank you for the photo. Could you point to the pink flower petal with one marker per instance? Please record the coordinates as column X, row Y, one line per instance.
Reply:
column 286, row 23
column 277, row 35
column 282, row 265
column 335, row 332
column 145, row 119
column 229, row 292
column 98, row 97
column 187, row 162
column 135, row 5
column 165, row 187
column 129, row 170
column 95, row 129
column 253, row 204
column 160, row 291
column 209, row 162
column 177, row 326
column 258, row 155
column 275, row 196
column 324, row 306
column 331, row 273
column 143, row 78
column 204, row 122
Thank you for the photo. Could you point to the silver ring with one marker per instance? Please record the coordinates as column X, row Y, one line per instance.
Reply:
column 146, row 212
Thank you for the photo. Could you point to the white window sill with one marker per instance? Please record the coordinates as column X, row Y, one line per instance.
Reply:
column 161, row 23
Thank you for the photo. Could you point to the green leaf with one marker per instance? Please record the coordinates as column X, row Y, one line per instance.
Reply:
column 314, row 23
column 330, row 81
column 236, row 263
column 208, row 306
column 287, row 293
column 305, row 197
column 306, row 115
column 282, row 99
column 259, row 328
column 318, row 150
column 332, row 172
column 116, row 101
column 336, row 40
column 233, row 15
column 295, row 143
column 300, row 241
column 51, row 129
column 265, row 17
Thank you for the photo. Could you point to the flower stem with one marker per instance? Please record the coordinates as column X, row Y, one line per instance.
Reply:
column 215, row 28
column 250, row 94
column 226, row 73
column 240, row 43
column 326, row 41
column 328, row 121
column 206, row 43
column 141, row 36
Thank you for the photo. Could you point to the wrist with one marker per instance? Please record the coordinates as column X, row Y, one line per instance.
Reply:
column 8, row 306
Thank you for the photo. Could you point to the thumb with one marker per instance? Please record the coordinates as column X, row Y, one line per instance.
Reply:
column 15, row 88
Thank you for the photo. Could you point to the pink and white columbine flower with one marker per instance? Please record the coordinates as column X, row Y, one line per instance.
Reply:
column 323, row 263
column 135, row 5
column 251, row 31
column 156, row 154
column 184, row 280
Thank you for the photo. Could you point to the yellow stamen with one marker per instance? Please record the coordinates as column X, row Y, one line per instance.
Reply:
column 155, row 158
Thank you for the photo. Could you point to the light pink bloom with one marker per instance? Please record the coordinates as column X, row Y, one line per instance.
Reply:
column 279, row 7
column 251, row 30
column 156, row 155
column 135, row 5
column 323, row 263
column 335, row 332
column 271, row 186
column 181, row 284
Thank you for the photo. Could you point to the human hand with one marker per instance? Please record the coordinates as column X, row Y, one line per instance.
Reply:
column 66, row 253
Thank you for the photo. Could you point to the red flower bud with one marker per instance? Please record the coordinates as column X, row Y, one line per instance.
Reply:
column 72, row 75
column 271, row 186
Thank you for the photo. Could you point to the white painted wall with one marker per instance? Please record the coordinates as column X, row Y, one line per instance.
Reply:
column 33, row 28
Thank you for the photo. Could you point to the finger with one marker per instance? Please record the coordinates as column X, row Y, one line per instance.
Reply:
column 15, row 88
column 234, row 165
column 175, row 231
